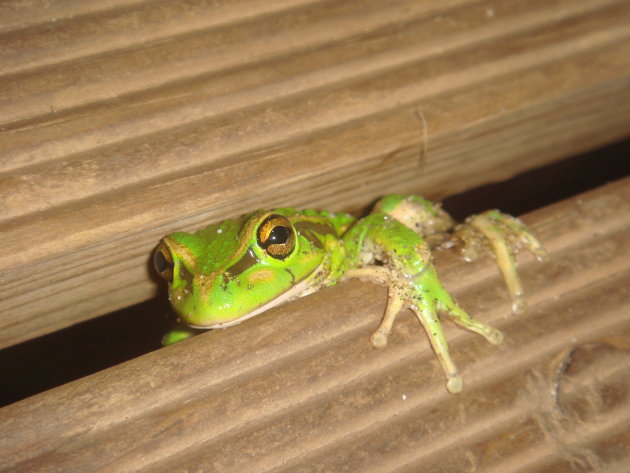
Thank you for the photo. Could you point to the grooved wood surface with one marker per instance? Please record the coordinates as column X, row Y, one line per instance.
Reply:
column 299, row 388
column 122, row 121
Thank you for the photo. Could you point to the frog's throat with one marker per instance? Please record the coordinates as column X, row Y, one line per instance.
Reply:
column 307, row 286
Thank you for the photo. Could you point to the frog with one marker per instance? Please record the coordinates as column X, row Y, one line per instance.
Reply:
column 233, row 270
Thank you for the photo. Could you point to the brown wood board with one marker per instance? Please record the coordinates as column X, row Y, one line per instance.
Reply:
column 299, row 388
column 121, row 122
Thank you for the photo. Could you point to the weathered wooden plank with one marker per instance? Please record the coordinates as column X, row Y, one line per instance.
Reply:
column 113, row 135
column 300, row 389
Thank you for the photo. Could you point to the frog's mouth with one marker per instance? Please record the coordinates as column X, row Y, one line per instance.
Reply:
column 303, row 288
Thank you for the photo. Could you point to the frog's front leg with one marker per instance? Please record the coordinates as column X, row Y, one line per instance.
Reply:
column 425, row 297
column 413, row 283
column 503, row 235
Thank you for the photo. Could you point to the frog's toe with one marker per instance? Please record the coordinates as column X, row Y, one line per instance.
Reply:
column 455, row 384
column 541, row 253
column 378, row 339
column 494, row 336
column 532, row 243
column 519, row 306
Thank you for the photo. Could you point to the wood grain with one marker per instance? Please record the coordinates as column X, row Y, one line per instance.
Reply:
column 299, row 388
column 121, row 123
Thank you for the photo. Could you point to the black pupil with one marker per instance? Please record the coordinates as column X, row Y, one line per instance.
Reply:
column 279, row 235
column 161, row 263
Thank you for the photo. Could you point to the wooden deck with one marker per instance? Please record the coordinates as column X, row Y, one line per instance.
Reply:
column 121, row 121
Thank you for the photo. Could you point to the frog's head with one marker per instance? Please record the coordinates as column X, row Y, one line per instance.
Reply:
column 234, row 270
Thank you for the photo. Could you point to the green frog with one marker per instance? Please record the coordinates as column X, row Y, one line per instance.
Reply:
column 233, row 270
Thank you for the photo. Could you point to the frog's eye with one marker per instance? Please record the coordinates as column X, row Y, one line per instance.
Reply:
column 163, row 262
column 276, row 236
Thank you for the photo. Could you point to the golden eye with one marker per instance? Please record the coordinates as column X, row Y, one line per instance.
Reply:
column 163, row 262
column 276, row 236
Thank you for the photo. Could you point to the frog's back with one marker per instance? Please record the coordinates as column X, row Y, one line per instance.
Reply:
column 320, row 221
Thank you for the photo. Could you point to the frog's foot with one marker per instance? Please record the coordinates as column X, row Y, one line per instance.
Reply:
column 429, row 319
column 179, row 332
column 427, row 315
column 504, row 236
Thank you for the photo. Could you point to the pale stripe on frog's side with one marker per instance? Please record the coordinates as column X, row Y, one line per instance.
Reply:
column 229, row 272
